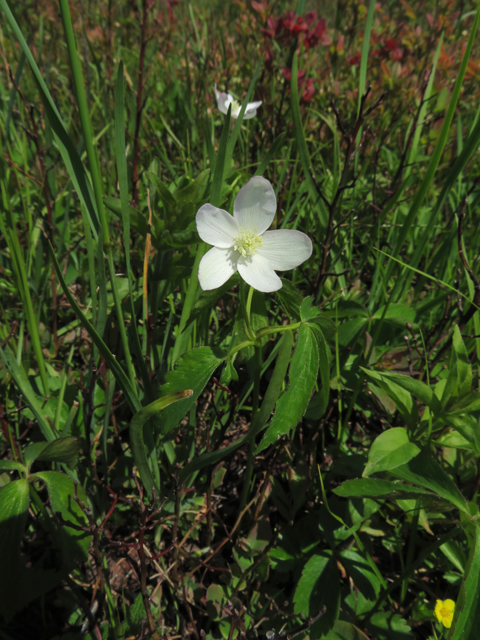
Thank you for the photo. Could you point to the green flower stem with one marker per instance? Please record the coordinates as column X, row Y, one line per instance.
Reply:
column 261, row 333
column 267, row 331
column 253, row 430
column 249, row 302
column 239, row 347
column 95, row 174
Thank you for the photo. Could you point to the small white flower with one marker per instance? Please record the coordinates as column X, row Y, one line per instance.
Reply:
column 224, row 100
column 241, row 242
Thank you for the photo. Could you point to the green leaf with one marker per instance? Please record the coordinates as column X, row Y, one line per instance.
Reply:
column 138, row 222
column 467, row 426
column 466, row 622
column 269, row 400
column 193, row 191
column 291, row 298
column 454, row 552
column 11, row 465
column 343, row 630
column 454, row 440
column 135, row 614
column 417, row 388
column 166, row 196
column 373, row 488
column 13, row 518
column 467, row 404
column 462, row 363
column 136, row 433
column 61, row 490
column 33, row 451
column 292, row 404
column 324, row 358
column 27, row 392
column 402, row 312
column 208, row 299
column 64, row 450
column 459, row 378
column 192, row 371
column 361, row 574
column 389, row 626
column 390, row 449
column 319, row 585
column 307, row 312
column 424, row 471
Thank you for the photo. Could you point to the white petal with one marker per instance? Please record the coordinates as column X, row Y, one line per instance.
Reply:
column 249, row 114
column 250, row 110
column 223, row 100
column 285, row 248
column 257, row 271
column 216, row 226
column 216, row 267
column 255, row 205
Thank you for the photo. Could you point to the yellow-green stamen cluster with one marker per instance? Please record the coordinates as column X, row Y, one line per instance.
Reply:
column 235, row 106
column 247, row 242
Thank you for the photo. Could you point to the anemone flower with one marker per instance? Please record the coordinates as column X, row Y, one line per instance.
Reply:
column 242, row 243
column 224, row 100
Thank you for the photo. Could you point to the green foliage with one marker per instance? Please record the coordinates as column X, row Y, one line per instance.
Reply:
column 293, row 402
column 307, row 460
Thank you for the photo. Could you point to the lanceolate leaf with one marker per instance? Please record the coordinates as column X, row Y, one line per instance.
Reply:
column 292, row 404
column 324, row 367
column 11, row 465
column 192, row 371
column 373, row 488
column 61, row 490
column 417, row 388
column 459, row 378
column 467, row 610
column 25, row 387
column 319, row 585
column 64, row 450
column 391, row 449
column 424, row 471
column 136, row 433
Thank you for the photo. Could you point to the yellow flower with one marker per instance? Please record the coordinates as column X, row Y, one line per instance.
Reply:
column 444, row 610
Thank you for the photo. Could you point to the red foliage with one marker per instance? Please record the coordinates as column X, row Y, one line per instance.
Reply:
column 289, row 26
column 305, row 85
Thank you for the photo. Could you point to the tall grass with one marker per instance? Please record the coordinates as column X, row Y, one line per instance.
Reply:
column 177, row 462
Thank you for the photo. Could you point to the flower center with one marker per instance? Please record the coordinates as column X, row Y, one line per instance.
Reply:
column 247, row 242
column 235, row 106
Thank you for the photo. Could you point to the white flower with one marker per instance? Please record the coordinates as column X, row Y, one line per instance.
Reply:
column 241, row 242
column 224, row 100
